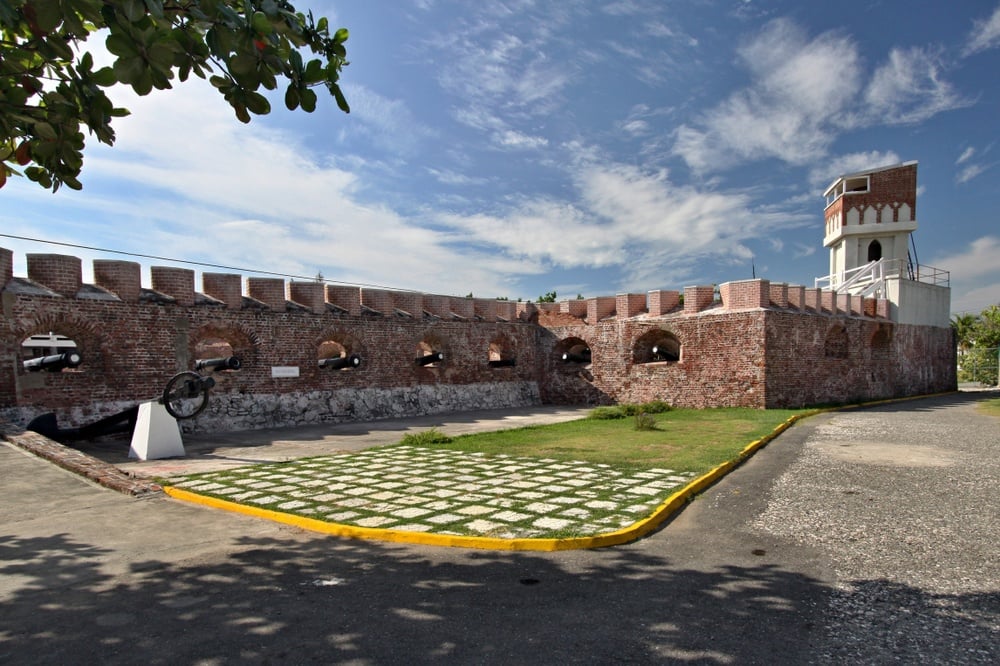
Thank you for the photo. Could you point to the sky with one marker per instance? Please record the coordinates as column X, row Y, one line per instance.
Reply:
column 510, row 149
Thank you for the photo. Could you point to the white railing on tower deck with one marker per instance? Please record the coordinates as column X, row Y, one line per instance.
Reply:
column 869, row 279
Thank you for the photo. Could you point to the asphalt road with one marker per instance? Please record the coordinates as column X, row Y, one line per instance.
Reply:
column 866, row 536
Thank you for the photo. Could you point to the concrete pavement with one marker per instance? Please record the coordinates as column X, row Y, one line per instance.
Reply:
column 861, row 536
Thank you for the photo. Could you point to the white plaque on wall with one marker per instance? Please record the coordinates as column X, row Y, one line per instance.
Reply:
column 284, row 371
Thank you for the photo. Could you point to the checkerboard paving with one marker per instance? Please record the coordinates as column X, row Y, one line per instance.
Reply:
column 447, row 492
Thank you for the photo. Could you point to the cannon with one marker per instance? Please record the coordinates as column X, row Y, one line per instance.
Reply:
column 340, row 362
column 427, row 359
column 217, row 364
column 54, row 363
column 664, row 354
column 503, row 363
column 581, row 357
column 186, row 394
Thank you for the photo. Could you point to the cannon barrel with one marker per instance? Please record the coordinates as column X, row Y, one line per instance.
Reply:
column 664, row 354
column 340, row 362
column 54, row 363
column 224, row 363
column 503, row 363
column 582, row 357
column 433, row 357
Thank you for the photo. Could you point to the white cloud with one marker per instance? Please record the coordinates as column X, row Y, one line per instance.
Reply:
column 803, row 93
column 975, row 274
column 975, row 262
column 910, row 88
column 799, row 90
column 975, row 299
column 514, row 139
column 649, row 227
column 969, row 172
column 985, row 34
column 966, row 155
column 834, row 167
column 256, row 197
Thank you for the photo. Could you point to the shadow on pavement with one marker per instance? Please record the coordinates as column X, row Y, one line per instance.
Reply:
column 278, row 601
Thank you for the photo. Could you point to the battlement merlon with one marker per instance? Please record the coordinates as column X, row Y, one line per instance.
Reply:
column 62, row 275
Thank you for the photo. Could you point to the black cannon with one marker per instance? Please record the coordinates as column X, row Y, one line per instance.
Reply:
column 581, row 357
column 664, row 354
column 216, row 364
column 54, row 363
column 427, row 359
column 503, row 363
column 340, row 362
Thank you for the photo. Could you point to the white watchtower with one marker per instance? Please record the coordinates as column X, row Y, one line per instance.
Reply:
column 870, row 216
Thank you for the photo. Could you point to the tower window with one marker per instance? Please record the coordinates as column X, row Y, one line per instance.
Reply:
column 874, row 251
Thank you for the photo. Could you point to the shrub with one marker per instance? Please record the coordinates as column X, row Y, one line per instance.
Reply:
column 656, row 407
column 426, row 438
column 645, row 421
column 629, row 409
column 614, row 412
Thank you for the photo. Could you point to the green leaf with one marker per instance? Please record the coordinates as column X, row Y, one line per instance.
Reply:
column 104, row 77
column 243, row 64
column 45, row 131
column 155, row 7
column 241, row 113
column 314, row 71
column 258, row 104
column 341, row 100
column 134, row 10
column 292, row 98
column 120, row 45
column 262, row 24
column 48, row 14
column 340, row 36
column 308, row 100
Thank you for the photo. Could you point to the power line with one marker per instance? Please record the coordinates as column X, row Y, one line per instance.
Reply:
column 200, row 263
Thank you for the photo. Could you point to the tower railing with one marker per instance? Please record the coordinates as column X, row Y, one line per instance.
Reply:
column 869, row 279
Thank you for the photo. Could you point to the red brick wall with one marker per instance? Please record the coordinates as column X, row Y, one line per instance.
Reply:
column 61, row 274
column 742, row 353
column 122, row 278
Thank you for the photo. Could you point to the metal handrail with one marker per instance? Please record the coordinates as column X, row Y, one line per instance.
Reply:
column 875, row 273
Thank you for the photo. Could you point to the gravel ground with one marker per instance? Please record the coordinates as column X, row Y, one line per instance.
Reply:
column 912, row 531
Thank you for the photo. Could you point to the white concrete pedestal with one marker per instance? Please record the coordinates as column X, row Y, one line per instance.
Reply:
column 156, row 434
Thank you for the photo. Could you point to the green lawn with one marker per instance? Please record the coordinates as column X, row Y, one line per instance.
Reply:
column 685, row 440
column 991, row 407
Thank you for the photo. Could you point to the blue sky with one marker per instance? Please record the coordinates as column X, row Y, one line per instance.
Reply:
column 515, row 148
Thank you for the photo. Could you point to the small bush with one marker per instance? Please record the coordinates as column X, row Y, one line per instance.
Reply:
column 656, row 407
column 606, row 413
column 645, row 421
column 629, row 409
column 426, row 438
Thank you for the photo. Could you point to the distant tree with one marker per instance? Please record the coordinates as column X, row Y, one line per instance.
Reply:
column 979, row 362
column 964, row 325
column 580, row 297
column 49, row 90
column 550, row 297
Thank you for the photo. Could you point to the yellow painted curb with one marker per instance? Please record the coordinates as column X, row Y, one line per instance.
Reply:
column 636, row 530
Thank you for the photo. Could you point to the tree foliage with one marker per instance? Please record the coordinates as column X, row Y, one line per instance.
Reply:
column 549, row 297
column 50, row 91
column 978, row 338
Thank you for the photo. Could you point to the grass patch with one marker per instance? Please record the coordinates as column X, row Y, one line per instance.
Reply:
column 991, row 407
column 685, row 440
